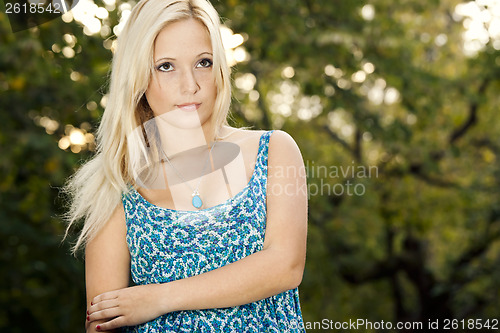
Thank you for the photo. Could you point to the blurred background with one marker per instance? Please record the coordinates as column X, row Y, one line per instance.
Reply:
column 394, row 105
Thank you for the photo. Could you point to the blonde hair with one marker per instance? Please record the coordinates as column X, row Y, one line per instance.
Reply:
column 96, row 188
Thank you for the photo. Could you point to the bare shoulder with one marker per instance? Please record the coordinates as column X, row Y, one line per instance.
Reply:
column 284, row 150
column 242, row 135
column 281, row 139
column 115, row 227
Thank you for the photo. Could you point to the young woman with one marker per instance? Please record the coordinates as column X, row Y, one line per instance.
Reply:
column 208, row 220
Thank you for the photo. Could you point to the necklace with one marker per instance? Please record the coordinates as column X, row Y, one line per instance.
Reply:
column 196, row 199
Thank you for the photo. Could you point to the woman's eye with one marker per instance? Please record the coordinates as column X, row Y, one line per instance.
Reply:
column 205, row 63
column 166, row 67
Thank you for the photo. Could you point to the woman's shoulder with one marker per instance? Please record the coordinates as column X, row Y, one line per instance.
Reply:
column 284, row 151
column 282, row 147
column 278, row 138
column 237, row 135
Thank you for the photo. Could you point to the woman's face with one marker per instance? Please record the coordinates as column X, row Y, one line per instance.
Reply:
column 183, row 89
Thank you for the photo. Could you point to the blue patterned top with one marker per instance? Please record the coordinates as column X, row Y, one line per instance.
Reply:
column 166, row 245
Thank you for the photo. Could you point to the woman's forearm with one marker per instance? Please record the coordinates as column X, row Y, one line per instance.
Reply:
column 258, row 276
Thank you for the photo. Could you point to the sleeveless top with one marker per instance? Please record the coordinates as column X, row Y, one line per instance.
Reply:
column 166, row 245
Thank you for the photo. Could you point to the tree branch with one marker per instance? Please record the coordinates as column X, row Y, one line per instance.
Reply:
column 357, row 145
column 335, row 137
column 472, row 118
column 266, row 122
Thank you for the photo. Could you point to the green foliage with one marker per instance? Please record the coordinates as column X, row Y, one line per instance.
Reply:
column 43, row 285
column 420, row 242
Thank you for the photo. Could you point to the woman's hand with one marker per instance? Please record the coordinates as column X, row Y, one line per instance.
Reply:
column 126, row 307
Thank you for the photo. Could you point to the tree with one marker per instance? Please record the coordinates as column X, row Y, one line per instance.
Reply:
column 50, row 76
column 393, row 111
column 398, row 93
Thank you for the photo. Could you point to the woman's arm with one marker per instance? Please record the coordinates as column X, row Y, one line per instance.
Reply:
column 107, row 261
column 277, row 268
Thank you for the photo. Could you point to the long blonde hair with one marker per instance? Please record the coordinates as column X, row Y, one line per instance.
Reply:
column 96, row 188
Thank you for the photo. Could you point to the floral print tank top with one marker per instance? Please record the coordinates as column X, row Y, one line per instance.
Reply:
column 166, row 245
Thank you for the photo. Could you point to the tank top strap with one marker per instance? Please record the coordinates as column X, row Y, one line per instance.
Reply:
column 264, row 148
column 261, row 163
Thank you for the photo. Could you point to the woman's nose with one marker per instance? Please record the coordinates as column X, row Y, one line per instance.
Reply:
column 189, row 83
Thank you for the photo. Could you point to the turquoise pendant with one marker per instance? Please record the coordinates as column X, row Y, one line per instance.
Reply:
column 197, row 203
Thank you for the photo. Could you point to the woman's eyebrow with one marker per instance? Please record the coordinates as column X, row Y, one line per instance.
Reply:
column 202, row 53
column 169, row 58
column 164, row 58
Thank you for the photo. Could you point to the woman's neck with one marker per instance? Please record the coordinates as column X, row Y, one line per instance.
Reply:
column 175, row 140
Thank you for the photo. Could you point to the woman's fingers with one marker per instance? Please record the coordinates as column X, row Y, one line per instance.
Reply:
column 103, row 310
column 125, row 307
column 112, row 324
column 103, row 301
column 105, row 296
column 105, row 314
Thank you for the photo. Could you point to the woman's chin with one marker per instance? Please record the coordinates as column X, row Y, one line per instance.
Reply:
column 180, row 118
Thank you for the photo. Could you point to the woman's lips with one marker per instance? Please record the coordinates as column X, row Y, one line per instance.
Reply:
column 189, row 106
